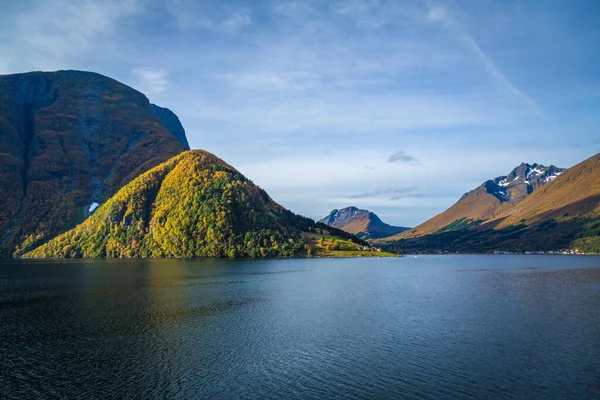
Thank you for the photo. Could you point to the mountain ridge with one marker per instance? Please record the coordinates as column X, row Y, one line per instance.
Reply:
column 562, row 214
column 490, row 199
column 362, row 223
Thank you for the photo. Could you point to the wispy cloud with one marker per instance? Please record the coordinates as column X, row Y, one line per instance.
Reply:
column 219, row 17
column 150, row 80
column 396, row 193
column 441, row 15
column 499, row 76
column 400, row 156
column 51, row 32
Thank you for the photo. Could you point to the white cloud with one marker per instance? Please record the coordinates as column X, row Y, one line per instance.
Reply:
column 216, row 17
column 150, row 81
column 439, row 14
column 237, row 20
column 50, row 33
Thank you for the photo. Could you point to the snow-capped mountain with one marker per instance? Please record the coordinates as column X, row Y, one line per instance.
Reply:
column 562, row 212
column 490, row 199
column 521, row 181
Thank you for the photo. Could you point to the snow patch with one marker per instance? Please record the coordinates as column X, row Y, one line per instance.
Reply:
column 551, row 177
column 535, row 171
column 93, row 206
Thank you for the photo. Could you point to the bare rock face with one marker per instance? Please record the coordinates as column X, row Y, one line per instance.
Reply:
column 68, row 141
column 171, row 121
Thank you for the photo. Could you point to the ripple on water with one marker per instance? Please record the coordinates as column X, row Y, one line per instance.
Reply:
column 428, row 327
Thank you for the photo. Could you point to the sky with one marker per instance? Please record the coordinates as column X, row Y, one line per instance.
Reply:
column 398, row 107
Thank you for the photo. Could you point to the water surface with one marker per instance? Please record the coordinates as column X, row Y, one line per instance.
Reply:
column 425, row 327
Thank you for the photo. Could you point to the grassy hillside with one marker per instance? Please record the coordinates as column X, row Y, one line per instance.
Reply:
column 193, row 205
column 324, row 245
column 490, row 200
column 564, row 213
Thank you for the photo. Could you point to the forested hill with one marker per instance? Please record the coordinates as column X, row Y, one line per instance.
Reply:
column 193, row 205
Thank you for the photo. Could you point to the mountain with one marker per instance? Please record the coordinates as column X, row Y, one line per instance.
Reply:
column 193, row 205
column 68, row 141
column 563, row 213
column 566, row 211
column 492, row 198
column 362, row 223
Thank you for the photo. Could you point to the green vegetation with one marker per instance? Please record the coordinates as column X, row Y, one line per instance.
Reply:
column 460, row 224
column 588, row 245
column 324, row 245
column 193, row 205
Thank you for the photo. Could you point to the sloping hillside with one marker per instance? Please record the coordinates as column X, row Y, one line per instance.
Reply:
column 194, row 205
column 565, row 213
column 491, row 199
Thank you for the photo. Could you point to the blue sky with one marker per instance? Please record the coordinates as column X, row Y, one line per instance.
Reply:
column 395, row 106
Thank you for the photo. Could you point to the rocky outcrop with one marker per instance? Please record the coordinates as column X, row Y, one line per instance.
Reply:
column 171, row 121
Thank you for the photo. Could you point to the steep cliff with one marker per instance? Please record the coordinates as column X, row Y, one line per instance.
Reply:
column 68, row 141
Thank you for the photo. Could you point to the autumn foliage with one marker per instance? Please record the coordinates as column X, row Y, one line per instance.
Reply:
column 194, row 205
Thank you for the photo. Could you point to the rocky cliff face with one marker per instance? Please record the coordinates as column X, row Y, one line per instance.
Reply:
column 171, row 121
column 362, row 223
column 68, row 141
column 521, row 181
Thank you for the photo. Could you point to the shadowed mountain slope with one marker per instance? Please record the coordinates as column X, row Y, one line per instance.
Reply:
column 68, row 141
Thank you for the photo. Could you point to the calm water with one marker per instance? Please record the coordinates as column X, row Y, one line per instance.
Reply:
column 426, row 327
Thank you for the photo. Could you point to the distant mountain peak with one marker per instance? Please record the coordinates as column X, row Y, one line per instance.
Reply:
column 362, row 223
column 526, row 178
column 562, row 213
column 490, row 199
